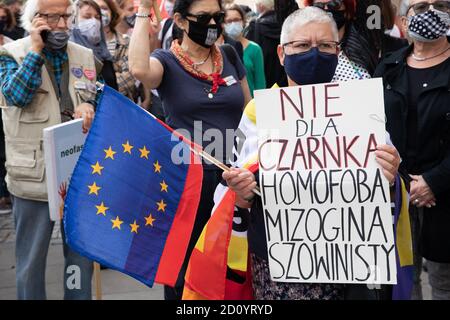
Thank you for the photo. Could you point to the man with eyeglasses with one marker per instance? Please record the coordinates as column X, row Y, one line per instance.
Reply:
column 44, row 80
column 417, row 99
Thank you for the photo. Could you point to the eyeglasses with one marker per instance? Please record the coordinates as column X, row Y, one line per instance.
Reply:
column 233, row 20
column 53, row 19
column 423, row 7
column 205, row 18
column 332, row 5
column 301, row 46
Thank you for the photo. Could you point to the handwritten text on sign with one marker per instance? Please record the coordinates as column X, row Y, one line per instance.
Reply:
column 326, row 202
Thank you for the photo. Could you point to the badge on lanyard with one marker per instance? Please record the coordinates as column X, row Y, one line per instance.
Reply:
column 77, row 72
column 230, row 80
column 90, row 74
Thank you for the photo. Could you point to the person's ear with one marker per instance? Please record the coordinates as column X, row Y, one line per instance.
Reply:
column 280, row 52
column 180, row 21
column 405, row 24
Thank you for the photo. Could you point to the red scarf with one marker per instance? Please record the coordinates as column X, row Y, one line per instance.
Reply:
column 188, row 65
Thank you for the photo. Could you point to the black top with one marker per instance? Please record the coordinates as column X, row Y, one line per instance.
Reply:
column 418, row 80
column 109, row 75
column 391, row 44
column 236, row 45
column 266, row 31
column 189, row 105
column 256, row 233
column 17, row 32
column 432, row 143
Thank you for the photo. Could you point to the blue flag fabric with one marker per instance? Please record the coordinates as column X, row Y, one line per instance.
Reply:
column 126, row 191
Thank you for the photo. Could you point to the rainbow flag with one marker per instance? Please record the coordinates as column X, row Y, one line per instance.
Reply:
column 223, row 245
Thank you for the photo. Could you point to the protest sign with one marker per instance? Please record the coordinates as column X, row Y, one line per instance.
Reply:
column 326, row 202
column 62, row 147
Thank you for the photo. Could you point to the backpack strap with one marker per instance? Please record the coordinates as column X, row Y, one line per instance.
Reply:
column 230, row 53
column 166, row 27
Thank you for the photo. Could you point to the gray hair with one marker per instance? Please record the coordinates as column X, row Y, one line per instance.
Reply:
column 30, row 9
column 304, row 16
column 404, row 5
column 269, row 4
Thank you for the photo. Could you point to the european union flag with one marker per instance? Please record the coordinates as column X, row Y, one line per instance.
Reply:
column 129, row 206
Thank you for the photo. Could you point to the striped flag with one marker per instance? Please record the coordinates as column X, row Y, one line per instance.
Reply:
column 223, row 245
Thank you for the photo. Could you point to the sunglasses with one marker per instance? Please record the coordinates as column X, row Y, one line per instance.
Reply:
column 332, row 5
column 423, row 7
column 205, row 18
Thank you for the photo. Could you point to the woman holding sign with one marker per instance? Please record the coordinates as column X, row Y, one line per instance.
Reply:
column 309, row 52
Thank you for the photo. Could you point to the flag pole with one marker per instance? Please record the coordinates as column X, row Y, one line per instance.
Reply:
column 98, row 281
column 201, row 153
column 220, row 165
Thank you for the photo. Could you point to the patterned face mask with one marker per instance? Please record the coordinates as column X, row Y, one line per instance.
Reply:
column 429, row 26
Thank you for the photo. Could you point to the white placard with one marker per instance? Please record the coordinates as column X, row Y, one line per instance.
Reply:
column 62, row 148
column 327, row 210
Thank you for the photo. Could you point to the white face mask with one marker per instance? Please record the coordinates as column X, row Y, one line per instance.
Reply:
column 90, row 29
column 168, row 6
column 234, row 29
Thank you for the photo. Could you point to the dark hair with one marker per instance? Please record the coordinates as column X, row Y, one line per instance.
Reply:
column 237, row 8
column 10, row 19
column 182, row 6
column 177, row 34
column 388, row 12
column 350, row 7
column 90, row 3
column 115, row 14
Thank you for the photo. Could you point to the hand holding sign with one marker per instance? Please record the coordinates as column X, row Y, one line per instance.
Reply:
column 324, row 172
column 389, row 160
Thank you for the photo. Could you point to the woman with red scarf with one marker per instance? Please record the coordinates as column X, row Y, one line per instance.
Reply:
column 203, row 89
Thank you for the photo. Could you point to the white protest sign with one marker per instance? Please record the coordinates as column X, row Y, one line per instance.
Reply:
column 327, row 210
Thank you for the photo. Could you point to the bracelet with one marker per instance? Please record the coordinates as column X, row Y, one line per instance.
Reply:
column 143, row 15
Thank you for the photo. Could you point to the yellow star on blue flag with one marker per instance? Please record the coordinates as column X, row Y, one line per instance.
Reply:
column 122, row 210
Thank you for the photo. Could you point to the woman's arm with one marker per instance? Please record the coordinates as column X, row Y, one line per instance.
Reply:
column 246, row 90
column 147, row 70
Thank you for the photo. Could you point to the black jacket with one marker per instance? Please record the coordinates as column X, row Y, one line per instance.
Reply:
column 236, row 45
column 433, row 160
column 266, row 32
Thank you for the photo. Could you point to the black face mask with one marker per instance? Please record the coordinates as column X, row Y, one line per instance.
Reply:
column 204, row 35
column 2, row 26
column 131, row 20
column 339, row 17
